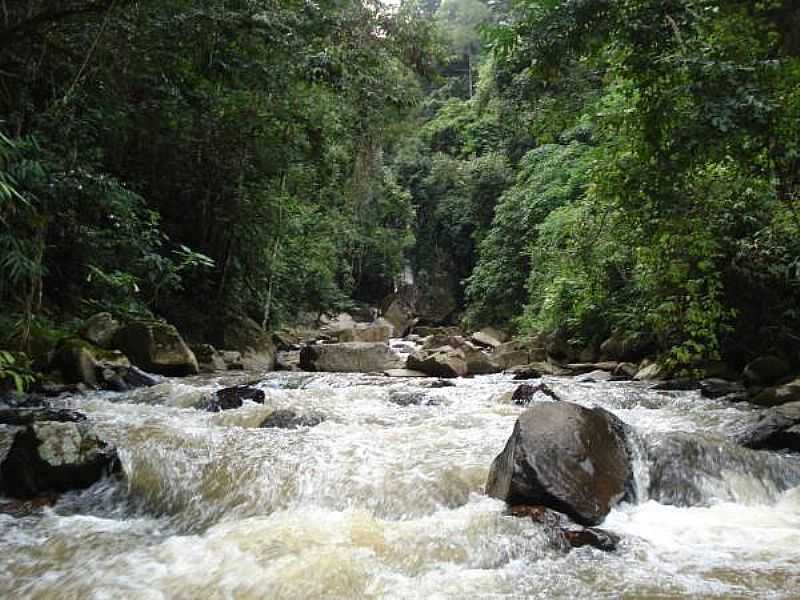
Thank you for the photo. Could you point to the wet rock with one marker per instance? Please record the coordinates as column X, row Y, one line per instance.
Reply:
column 234, row 397
column 289, row 419
column 626, row 370
column 776, row 429
column 717, row 388
column 348, row 357
column 602, row 539
column 523, row 372
column 694, row 470
column 566, row 457
column 677, row 385
column 44, row 451
column 442, row 362
column 525, row 393
column 28, row 416
column 80, row 361
column 403, row 373
column 413, row 399
column 157, row 347
column 765, row 370
column 595, row 376
column 782, row 394
column 209, row 359
column 563, row 533
column 435, row 383
column 100, row 330
column 136, row 378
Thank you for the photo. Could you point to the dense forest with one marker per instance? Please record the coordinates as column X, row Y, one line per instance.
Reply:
column 579, row 168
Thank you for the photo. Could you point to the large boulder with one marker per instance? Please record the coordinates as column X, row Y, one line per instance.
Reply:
column 766, row 370
column 380, row 330
column 440, row 362
column 782, row 394
column 244, row 335
column 45, row 451
column 478, row 362
column 157, row 347
column 776, row 429
column 400, row 309
column 100, row 329
column 348, row 357
column 81, row 362
column 569, row 458
column 688, row 469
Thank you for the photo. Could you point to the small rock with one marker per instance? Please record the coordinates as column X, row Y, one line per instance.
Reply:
column 525, row 393
column 289, row 419
column 234, row 397
column 413, row 399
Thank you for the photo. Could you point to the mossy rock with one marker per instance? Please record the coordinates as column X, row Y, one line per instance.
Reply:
column 157, row 347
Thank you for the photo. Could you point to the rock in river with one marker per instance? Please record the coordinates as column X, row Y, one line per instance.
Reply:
column 565, row 457
column 234, row 397
column 44, row 451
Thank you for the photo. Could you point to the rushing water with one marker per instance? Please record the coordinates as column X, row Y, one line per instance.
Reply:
column 385, row 501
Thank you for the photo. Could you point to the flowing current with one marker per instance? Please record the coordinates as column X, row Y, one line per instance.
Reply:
column 384, row 499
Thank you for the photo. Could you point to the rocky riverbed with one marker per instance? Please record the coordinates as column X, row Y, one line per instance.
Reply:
column 374, row 487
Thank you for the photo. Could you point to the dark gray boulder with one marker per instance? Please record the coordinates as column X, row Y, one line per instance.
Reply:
column 765, row 370
column 689, row 469
column 234, row 397
column 569, row 458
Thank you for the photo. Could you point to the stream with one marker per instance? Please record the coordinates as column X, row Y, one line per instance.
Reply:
column 384, row 499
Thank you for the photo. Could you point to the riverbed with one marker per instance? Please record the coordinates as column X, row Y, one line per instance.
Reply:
column 383, row 499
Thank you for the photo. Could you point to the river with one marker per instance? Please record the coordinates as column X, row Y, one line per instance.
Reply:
column 385, row 500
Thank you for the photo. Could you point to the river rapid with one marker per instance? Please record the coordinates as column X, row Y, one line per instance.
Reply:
column 385, row 500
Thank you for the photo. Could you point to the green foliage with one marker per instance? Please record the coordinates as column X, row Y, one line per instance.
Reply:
column 14, row 370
